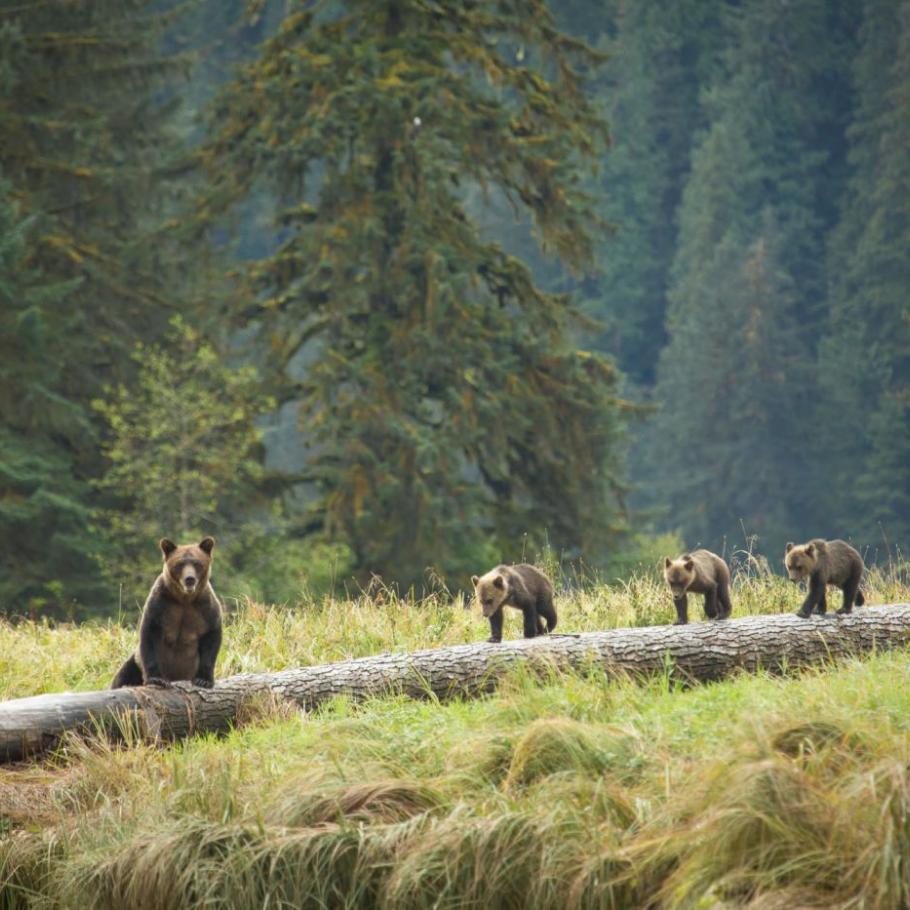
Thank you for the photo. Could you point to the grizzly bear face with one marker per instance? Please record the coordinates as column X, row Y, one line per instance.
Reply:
column 186, row 568
column 679, row 574
column 491, row 591
column 800, row 560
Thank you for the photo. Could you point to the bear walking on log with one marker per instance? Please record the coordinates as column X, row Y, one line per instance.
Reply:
column 823, row 563
column 522, row 587
column 699, row 572
column 180, row 630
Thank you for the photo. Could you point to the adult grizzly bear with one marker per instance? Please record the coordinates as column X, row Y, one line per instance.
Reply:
column 522, row 587
column 180, row 630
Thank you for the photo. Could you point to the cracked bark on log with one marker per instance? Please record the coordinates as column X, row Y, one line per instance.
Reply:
column 700, row 651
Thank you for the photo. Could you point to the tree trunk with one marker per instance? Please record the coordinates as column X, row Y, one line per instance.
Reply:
column 699, row 651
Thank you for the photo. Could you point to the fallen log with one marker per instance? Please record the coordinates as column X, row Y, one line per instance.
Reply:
column 700, row 651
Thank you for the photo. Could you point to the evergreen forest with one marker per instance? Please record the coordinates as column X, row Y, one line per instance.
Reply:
column 385, row 292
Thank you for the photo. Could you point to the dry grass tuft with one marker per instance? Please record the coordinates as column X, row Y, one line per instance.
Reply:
column 373, row 802
column 465, row 860
column 29, row 865
column 559, row 745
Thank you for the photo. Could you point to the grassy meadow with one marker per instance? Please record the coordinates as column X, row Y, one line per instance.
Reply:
column 568, row 791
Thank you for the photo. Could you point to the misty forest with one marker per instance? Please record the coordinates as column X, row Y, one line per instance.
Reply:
column 447, row 338
column 379, row 290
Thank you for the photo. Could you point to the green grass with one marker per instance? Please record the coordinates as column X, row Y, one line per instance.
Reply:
column 568, row 791
column 37, row 658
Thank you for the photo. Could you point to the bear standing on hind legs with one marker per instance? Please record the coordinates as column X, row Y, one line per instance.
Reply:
column 180, row 630
column 699, row 572
column 823, row 563
column 522, row 587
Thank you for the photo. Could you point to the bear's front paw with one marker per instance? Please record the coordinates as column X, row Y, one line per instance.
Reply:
column 203, row 683
column 843, row 611
column 680, row 622
column 156, row 682
column 494, row 641
column 803, row 614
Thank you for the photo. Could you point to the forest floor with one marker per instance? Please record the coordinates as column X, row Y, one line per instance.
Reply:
column 561, row 792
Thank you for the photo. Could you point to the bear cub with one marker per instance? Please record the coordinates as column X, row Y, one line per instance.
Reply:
column 699, row 572
column 823, row 563
column 180, row 630
column 522, row 587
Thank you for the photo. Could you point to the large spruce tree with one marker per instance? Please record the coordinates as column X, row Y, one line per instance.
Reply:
column 444, row 405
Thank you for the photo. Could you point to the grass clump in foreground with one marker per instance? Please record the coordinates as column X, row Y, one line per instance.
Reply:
column 569, row 791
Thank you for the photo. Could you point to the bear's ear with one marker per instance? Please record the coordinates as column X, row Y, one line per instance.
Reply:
column 789, row 546
column 668, row 562
column 689, row 565
column 810, row 549
column 207, row 544
column 167, row 546
column 474, row 580
column 499, row 582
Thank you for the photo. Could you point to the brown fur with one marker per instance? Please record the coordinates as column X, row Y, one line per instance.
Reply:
column 699, row 572
column 523, row 587
column 180, row 630
column 822, row 563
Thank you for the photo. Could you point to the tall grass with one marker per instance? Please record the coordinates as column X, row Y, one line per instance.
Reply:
column 44, row 657
column 567, row 791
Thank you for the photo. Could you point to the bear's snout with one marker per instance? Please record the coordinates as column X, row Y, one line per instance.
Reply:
column 188, row 578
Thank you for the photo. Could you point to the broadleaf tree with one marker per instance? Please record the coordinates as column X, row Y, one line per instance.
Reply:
column 450, row 417
column 184, row 456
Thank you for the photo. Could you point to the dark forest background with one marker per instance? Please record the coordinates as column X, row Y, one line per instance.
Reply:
column 403, row 289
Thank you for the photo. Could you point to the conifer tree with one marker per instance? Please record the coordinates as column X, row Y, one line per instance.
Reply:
column 444, row 403
column 88, row 147
column 87, row 140
column 48, row 560
column 748, row 285
column 660, row 58
column 865, row 367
